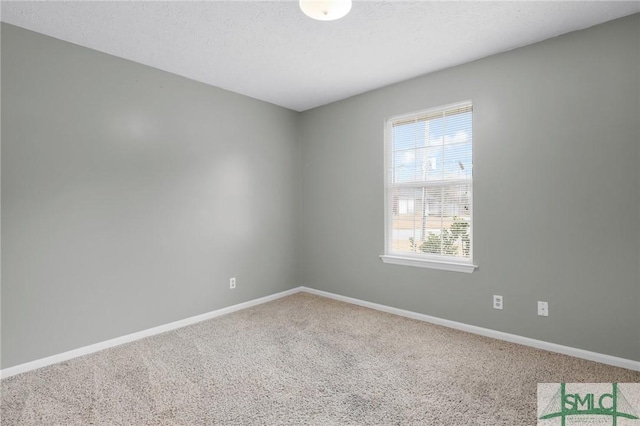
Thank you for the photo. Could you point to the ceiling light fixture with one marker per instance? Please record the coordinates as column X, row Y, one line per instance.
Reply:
column 325, row 10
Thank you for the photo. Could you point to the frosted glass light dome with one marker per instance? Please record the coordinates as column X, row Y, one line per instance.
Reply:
column 325, row 10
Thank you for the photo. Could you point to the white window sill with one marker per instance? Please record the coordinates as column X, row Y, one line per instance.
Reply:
column 430, row 263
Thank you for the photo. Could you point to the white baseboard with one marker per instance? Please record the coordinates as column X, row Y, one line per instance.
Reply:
column 513, row 338
column 551, row 347
column 65, row 356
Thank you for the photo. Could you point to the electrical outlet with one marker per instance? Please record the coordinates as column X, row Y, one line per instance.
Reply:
column 232, row 283
column 543, row 309
column 497, row 301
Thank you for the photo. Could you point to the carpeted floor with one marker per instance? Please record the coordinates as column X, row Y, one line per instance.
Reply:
column 301, row 360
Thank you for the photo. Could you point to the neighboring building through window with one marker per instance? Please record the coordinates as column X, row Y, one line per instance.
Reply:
column 429, row 184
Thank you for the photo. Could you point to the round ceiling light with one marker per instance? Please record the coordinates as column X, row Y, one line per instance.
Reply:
column 325, row 10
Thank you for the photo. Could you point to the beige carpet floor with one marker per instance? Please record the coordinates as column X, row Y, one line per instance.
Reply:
column 300, row 360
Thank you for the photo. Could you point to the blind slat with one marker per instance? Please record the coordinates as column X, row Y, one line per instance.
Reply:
column 433, row 115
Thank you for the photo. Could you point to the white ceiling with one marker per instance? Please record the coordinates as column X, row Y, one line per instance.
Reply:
column 272, row 51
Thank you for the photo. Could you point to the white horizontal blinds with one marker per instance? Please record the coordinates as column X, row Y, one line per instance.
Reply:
column 430, row 182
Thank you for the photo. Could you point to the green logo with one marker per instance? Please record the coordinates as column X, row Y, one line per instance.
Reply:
column 564, row 404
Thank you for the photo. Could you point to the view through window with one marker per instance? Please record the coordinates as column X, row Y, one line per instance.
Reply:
column 429, row 184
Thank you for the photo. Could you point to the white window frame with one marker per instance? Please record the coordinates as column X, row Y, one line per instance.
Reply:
column 421, row 260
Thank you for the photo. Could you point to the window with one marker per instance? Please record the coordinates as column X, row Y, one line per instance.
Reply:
column 428, row 188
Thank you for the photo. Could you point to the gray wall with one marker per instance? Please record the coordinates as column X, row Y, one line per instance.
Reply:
column 130, row 196
column 556, row 199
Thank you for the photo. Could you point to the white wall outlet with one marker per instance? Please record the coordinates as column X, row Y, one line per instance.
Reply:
column 543, row 309
column 232, row 282
column 497, row 301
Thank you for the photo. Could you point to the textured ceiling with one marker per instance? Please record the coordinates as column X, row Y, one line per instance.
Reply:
column 272, row 51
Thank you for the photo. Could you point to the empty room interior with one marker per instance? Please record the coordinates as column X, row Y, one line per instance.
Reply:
column 319, row 212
